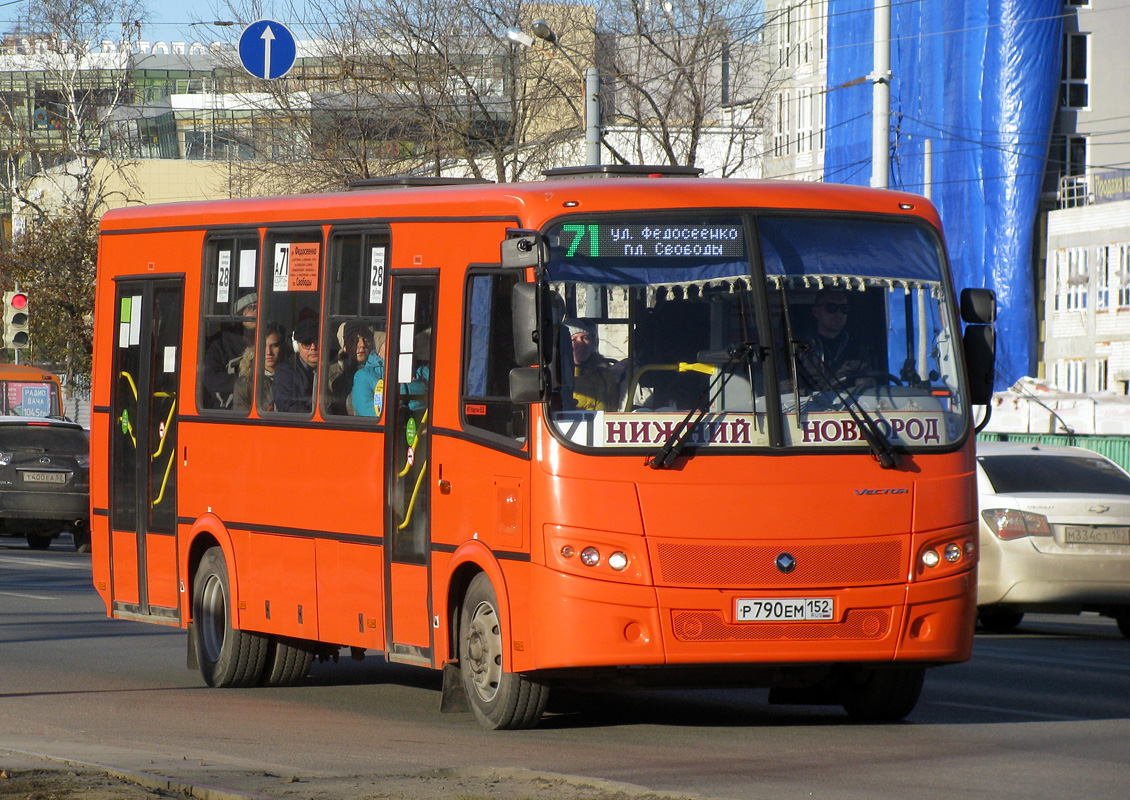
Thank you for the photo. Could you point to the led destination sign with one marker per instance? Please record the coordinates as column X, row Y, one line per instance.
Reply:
column 675, row 239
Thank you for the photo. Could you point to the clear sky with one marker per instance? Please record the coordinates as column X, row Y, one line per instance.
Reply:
column 172, row 19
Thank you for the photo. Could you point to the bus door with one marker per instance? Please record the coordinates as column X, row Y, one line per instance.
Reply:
column 408, row 468
column 143, row 444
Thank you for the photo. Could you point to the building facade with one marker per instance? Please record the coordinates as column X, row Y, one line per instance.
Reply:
column 797, row 33
column 1086, row 275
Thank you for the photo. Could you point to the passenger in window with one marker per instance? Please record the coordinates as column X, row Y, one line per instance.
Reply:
column 596, row 384
column 357, row 343
column 273, row 337
column 296, row 378
column 368, row 394
column 224, row 352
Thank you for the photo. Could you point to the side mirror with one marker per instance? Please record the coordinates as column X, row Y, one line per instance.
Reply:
column 524, row 308
column 979, row 343
column 979, row 306
column 525, row 385
column 522, row 249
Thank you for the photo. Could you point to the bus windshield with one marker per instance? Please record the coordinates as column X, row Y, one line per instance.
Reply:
column 715, row 323
column 29, row 398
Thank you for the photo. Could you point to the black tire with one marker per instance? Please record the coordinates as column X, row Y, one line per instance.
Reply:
column 287, row 662
column 38, row 541
column 883, row 694
column 81, row 537
column 999, row 620
column 227, row 657
column 500, row 700
column 1123, row 621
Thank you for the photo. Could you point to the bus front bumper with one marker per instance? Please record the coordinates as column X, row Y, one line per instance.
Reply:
column 582, row 622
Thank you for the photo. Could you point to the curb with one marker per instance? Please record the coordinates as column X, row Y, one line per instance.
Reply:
column 146, row 779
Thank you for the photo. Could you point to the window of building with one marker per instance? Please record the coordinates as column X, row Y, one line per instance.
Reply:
column 1074, row 90
column 1103, row 270
column 804, row 121
column 781, row 138
column 1071, row 279
column 784, row 32
column 488, row 357
column 1101, row 375
column 1071, row 375
column 803, row 44
column 230, row 309
column 1120, row 258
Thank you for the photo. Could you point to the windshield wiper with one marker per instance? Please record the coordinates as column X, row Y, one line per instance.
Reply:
column 881, row 448
column 665, row 456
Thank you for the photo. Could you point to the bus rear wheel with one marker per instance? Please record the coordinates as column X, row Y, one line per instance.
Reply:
column 288, row 661
column 881, row 695
column 227, row 657
column 500, row 700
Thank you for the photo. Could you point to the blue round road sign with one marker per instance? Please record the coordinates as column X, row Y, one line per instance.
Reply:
column 267, row 49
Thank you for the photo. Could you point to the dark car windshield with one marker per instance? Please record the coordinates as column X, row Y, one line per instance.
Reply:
column 48, row 438
column 1054, row 475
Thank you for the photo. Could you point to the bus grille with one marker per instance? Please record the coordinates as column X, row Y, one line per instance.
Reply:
column 711, row 626
column 860, row 563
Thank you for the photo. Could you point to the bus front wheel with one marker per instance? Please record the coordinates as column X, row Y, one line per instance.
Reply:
column 881, row 695
column 500, row 700
column 227, row 657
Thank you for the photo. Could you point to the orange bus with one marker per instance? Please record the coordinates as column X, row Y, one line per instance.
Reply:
column 595, row 430
column 27, row 391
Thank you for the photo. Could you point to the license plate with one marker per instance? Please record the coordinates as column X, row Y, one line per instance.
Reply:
column 784, row 609
column 1088, row 534
column 45, row 477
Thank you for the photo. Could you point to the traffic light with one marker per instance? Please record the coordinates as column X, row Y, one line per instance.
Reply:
column 16, row 320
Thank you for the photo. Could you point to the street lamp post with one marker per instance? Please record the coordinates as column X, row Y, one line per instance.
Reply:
column 590, row 79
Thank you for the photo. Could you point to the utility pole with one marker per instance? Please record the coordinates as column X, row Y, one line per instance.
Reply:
column 881, row 97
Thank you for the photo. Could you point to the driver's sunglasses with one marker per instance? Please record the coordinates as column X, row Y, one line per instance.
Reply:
column 835, row 308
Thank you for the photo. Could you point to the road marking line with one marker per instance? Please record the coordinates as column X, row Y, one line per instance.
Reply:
column 28, row 596
column 1016, row 711
column 32, row 562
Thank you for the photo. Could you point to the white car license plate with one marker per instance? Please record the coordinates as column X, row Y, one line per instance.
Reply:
column 45, row 477
column 1096, row 534
column 784, row 609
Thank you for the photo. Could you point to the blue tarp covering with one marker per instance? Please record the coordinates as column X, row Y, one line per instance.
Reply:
column 980, row 80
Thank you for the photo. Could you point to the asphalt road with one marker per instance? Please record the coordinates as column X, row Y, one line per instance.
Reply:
column 1043, row 712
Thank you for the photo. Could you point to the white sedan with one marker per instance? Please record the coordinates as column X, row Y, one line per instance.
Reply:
column 1055, row 533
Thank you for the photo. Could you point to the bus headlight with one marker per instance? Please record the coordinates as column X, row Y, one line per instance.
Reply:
column 941, row 556
column 606, row 555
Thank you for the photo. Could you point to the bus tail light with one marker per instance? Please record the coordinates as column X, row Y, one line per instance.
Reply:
column 1008, row 523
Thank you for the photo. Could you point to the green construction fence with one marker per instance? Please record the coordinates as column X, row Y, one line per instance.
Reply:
column 1116, row 448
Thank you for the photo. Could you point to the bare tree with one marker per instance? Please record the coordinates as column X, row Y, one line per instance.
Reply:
column 66, row 65
column 401, row 86
column 691, row 81
column 434, row 87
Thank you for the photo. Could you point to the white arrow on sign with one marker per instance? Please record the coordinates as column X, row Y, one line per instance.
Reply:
column 267, row 38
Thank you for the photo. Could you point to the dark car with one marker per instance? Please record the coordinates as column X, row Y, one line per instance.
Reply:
column 44, row 480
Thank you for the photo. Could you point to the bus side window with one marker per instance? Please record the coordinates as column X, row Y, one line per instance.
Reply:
column 488, row 357
column 355, row 333
column 227, row 330
column 292, row 300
